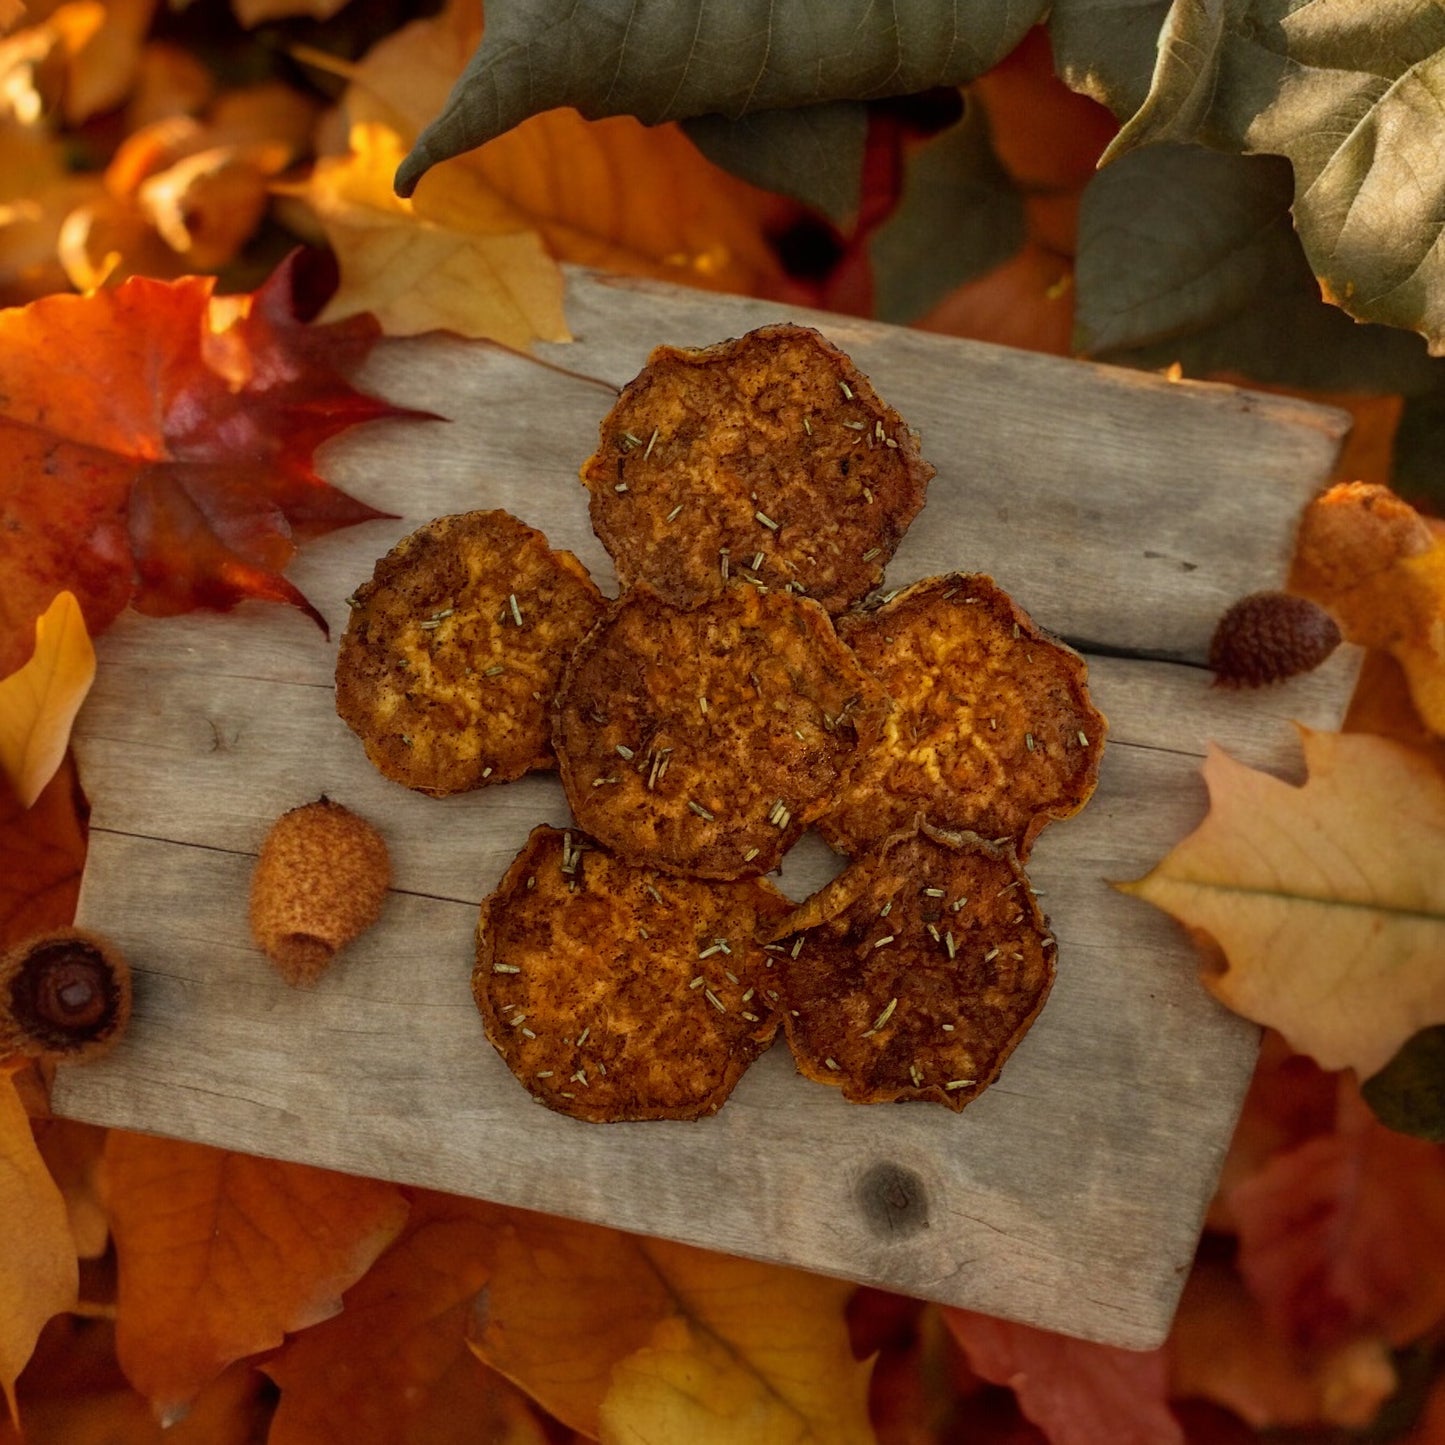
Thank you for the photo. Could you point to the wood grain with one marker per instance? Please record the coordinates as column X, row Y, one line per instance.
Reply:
column 1124, row 511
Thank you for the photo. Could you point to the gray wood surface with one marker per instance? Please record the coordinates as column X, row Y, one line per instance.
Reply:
column 1124, row 511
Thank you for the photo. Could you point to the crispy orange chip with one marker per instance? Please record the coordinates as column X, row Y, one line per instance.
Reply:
column 703, row 742
column 915, row 973
column 615, row 992
column 451, row 657
column 769, row 456
column 991, row 731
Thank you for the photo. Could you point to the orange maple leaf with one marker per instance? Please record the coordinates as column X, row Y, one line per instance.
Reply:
column 151, row 455
column 221, row 1255
column 394, row 1364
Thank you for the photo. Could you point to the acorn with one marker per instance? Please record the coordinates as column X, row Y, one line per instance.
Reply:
column 1269, row 636
column 319, row 883
column 64, row 995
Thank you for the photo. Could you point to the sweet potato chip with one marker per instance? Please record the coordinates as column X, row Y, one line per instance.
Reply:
column 769, row 456
column 453, row 650
column 616, row 992
column 703, row 742
column 991, row 731
column 915, row 973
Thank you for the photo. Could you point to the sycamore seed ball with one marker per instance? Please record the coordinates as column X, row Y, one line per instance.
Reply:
column 319, row 883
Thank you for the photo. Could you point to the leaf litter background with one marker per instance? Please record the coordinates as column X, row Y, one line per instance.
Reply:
column 949, row 181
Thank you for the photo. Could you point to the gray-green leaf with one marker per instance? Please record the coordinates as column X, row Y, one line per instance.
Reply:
column 813, row 153
column 1352, row 94
column 672, row 59
column 1188, row 255
column 959, row 216
column 1408, row 1094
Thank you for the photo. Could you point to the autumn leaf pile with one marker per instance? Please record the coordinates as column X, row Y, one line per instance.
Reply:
column 166, row 378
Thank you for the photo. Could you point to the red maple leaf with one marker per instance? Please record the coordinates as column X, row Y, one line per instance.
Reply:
column 156, row 448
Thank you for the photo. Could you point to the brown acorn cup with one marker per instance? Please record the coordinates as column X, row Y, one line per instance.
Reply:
column 64, row 995
column 319, row 883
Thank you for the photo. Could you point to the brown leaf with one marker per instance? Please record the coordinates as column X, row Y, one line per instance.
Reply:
column 1076, row 1392
column 1027, row 302
column 394, row 1364
column 72, row 1153
column 1327, row 900
column 220, row 1255
column 38, row 1273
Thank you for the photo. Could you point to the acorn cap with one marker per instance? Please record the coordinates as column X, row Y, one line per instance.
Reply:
column 319, row 883
column 63, row 995
column 1269, row 636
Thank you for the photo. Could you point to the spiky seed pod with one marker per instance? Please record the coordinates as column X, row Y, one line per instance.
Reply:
column 1269, row 636
column 319, row 883
column 64, row 995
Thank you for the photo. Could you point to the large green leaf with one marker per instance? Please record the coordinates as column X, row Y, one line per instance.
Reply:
column 673, row 59
column 813, row 153
column 1188, row 255
column 1352, row 92
column 959, row 215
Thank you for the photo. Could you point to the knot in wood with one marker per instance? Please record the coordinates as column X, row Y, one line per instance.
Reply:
column 893, row 1199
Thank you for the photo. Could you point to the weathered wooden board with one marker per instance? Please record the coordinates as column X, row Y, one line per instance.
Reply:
column 1124, row 511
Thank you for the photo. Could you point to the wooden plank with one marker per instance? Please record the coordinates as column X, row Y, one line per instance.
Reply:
column 1070, row 1194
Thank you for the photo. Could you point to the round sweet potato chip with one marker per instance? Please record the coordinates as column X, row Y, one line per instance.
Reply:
column 769, row 456
column 991, row 731
column 616, row 992
column 703, row 742
column 450, row 659
column 915, row 973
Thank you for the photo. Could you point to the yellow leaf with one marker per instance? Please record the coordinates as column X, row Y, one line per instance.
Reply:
column 613, row 193
column 39, row 702
column 38, row 1270
column 644, row 1340
column 753, row 1354
column 1328, row 900
column 453, row 258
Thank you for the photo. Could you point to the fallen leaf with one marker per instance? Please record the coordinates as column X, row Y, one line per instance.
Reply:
column 220, row 1255
column 667, row 62
column 39, row 701
column 38, row 1271
column 593, row 191
column 622, row 1335
column 1408, row 1094
column 455, row 257
column 1381, row 704
column 1371, row 560
column 104, row 64
column 151, row 457
column 1344, row 1237
column 72, row 1152
column 1326, row 899
column 1028, row 302
column 1290, row 1100
column 1076, row 1392
column 751, row 1352
column 231, row 1410
column 1221, row 1349
column 170, row 80
column 255, row 12
column 394, row 1364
